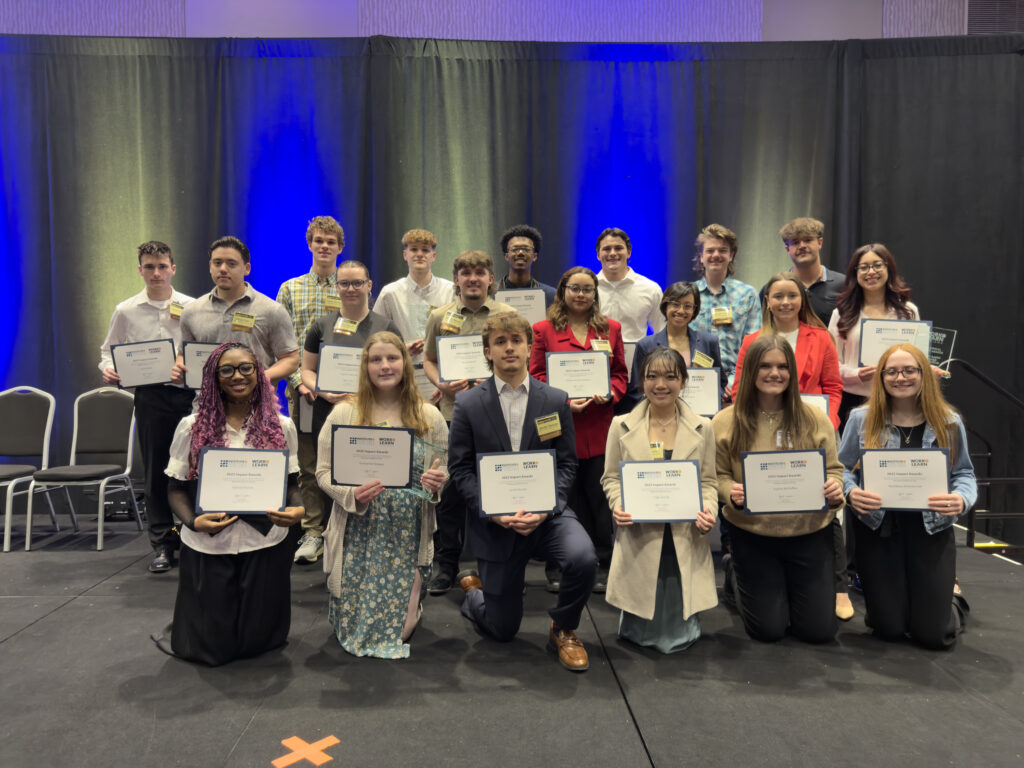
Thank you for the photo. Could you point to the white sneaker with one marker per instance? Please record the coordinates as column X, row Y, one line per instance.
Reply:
column 310, row 548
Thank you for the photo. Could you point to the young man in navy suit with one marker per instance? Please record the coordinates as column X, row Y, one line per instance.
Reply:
column 501, row 415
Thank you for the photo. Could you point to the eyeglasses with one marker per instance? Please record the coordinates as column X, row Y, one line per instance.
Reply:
column 227, row 371
column 675, row 305
column 346, row 284
column 521, row 249
column 878, row 266
column 908, row 371
column 586, row 290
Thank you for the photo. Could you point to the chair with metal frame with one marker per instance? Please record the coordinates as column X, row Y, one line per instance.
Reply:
column 27, row 416
column 104, row 425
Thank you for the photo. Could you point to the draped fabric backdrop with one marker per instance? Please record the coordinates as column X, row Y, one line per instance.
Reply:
column 105, row 143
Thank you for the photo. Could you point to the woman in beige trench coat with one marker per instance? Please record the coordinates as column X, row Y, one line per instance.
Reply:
column 661, row 573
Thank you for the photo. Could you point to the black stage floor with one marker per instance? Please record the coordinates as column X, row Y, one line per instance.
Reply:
column 85, row 686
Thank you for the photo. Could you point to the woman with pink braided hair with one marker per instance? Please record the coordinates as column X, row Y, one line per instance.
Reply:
column 234, row 588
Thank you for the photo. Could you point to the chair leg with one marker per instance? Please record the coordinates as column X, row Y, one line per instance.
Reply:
column 28, row 515
column 8, row 511
column 101, row 498
column 135, row 504
column 53, row 513
column 71, row 509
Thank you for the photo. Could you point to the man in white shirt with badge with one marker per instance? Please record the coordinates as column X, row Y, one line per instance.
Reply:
column 152, row 314
column 407, row 302
column 626, row 296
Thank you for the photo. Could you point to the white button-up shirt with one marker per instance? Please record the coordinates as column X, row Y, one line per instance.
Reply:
column 513, row 407
column 141, row 318
column 633, row 301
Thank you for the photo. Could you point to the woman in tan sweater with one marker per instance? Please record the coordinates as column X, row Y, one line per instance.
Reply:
column 781, row 563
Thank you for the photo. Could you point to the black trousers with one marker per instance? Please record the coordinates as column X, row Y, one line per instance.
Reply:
column 908, row 576
column 785, row 583
column 233, row 606
column 451, row 530
column 587, row 500
column 497, row 609
column 158, row 409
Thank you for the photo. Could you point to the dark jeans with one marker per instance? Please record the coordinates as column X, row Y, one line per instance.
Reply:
column 785, row 583
column 908, row 575
column 451, row 531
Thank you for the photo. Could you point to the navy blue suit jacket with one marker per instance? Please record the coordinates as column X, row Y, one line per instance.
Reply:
column 700, row 341
column 478, row 426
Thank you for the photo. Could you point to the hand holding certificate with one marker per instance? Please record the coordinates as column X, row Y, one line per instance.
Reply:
column 906, row 479
column 517, row 482
column 143, row 362
column 777, row 482
column 877, row 335
column 363, row 454
column 241, row 481
column 580, row 374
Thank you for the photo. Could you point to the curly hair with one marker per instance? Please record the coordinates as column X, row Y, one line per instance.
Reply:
column 263, row 426
column 718, row 232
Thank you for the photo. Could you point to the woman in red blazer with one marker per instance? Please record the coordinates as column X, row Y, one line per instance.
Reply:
column 788, row 313
column 575, row 324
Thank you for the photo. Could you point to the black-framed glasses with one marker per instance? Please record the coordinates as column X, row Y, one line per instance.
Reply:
column 344, row 285
column 586, row 290
column 876, row 266
column 521, row 249
column 677, row 305
column 908, row 371
column 227, row 370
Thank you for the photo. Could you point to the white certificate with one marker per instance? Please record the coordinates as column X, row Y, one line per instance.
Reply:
column 701, row 392
column 661, row 491
column 510, row 482
column 629, row 347
column 242, row 481
column 194, row 355
column 528, row 302
column 876, row 336
column 580, row 374
column 361, row 454
column 337, row 369
column 818, row 401
column 784, row 481
column 143, row 362
column 905, row 478
column 461, row 357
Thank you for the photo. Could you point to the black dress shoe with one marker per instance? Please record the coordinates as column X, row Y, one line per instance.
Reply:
column 441, row 584
column 162, row 562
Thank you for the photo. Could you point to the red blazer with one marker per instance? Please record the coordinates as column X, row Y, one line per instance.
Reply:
column 816, row 362
column 591, row 425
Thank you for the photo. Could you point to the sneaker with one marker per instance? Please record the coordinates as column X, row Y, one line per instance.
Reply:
column 441, row 584
column 310, row 548
column 162, row 561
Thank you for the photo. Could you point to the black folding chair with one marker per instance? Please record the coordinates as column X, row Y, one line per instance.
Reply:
column 26, row 414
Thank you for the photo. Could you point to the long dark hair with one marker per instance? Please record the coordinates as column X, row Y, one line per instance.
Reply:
column 851, row 298
column 558, row 312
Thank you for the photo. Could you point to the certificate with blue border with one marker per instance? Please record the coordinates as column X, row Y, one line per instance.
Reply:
column 360, row 454
column 784, row 482
column 661, row 491
column 703, row 390
column 580, row 374
column 521, row 480
column 140, row 363
column 337, row 369
column 242, row 481
column 877, row 335
column 461, row 357
column 905, row 477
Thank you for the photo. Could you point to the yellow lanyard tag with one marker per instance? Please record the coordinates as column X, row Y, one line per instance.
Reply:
column 332, row 302
column 700, row 360
column 657, row 451
column 240, row 321
column 601, row 345
column 549, row 427
column 452, row 322
column 345, row 327
column 721, row 315
column 175, row 309
column 382, row 424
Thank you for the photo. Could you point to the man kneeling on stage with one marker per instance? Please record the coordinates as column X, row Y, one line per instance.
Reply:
column 512, row 412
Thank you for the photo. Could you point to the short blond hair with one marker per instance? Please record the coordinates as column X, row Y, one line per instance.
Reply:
column 419, row 237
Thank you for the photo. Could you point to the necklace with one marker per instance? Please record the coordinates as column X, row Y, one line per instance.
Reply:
column 663, row 424
column 906, row 435
column 771, row 416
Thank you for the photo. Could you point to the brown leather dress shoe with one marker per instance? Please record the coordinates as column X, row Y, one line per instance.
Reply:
column 571, row 653
column 469, row 579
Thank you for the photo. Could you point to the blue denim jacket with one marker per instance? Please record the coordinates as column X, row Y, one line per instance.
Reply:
column 961, row 478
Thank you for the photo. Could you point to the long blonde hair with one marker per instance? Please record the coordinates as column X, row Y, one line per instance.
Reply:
column 409, row 396
column 797, row 418
column 939, row 414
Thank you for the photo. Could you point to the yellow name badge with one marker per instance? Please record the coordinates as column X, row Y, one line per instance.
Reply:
column 332, row 303
column 452, row 321
column 175, row 309
column 345, row 327
column 383, row 424
column 549, row 427
column 700, row 360
column 657, row 451
column 601, row 345
column 240, row 321
column 721, row 315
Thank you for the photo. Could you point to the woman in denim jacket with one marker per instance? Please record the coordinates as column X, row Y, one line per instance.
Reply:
column 907, row 562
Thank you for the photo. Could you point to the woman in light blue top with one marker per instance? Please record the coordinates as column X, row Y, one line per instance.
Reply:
column 907, row 561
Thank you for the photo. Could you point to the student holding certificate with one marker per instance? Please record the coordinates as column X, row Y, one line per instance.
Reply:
column 575, row 324
column 234, row 590
column 379, row 541
column 661, row 573
column 907, row 561
column 781, row 569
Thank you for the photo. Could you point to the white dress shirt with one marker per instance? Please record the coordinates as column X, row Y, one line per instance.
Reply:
column 513, row 407
column 141, row 318
column 633, row 301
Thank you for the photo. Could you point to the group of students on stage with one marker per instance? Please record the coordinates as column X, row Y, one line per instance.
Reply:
column 384, row 548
